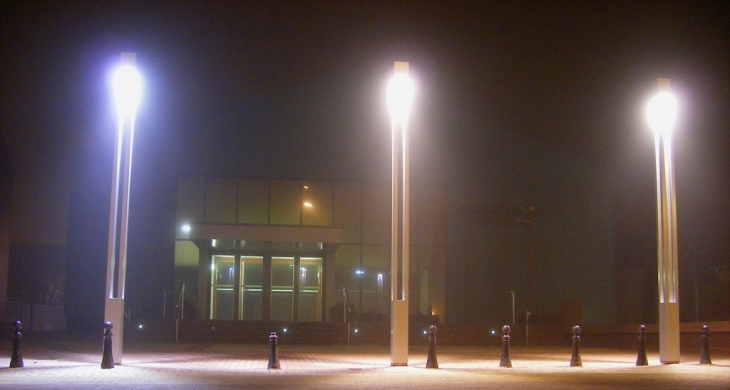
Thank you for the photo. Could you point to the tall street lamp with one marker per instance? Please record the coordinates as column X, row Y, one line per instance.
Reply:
column 127, row 90
column 661, row 112
column 400, row 96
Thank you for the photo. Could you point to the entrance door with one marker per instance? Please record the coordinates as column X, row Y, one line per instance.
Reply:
column 282, row 288
column 294, row 295
column 310, row 289
column 221, row 288
column 252, row 276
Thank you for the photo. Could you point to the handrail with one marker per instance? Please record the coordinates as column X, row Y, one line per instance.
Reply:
column 179, row 309
column 180, row 304
column 165, row 294
column 527, row 317
column 346, row 312
column 348, row 307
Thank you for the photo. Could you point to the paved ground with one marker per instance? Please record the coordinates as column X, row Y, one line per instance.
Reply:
column 75, row 364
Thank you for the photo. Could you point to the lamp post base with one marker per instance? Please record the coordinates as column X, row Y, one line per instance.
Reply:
column 669, row 333
column 399, row 334
column 114, row 313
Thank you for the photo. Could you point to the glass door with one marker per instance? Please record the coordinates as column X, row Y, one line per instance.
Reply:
column 282, row 288
column 252, row 276
column 310, row 289
column 221, row 288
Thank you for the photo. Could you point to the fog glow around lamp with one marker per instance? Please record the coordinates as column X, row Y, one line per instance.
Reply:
column 400, row 96
column 661, row 112
column 127, row 87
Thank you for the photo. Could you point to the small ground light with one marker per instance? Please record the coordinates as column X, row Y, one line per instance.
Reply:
column 425, row 332
column 494, row 332
column 355, row 330
column 284, row 330
column 140, row 326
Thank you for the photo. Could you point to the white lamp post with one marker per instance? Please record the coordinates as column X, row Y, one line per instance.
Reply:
column 127, row 89
column 400, row 97
column 661, row 112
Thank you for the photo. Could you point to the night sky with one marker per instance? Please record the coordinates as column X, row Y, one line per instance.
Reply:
column 572, row 75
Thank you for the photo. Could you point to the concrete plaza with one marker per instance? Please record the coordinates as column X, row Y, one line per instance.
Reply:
column 63, row 363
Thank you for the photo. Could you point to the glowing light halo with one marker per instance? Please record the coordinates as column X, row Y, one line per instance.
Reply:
column 661, row 112
column 127, row 86
column 400, row 97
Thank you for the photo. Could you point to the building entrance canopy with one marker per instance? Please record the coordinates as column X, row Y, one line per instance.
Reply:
column 266, row 233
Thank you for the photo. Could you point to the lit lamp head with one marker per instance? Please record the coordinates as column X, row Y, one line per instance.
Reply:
column 661, row 113
column 400, row 94
column 127, row 84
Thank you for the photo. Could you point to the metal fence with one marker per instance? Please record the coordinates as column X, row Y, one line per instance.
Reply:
column 34, row 316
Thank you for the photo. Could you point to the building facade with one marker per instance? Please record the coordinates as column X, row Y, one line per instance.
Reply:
column 295, row 250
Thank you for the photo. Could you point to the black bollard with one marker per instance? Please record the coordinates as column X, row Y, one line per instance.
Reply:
column 16, row 359
column 107, row 359
column 505, row 361
column 274, row 351
column 431, row 361
column 705, row 350
column 575, row 360
column 641, row 358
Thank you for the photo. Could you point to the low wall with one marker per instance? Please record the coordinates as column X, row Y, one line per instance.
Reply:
column 626, row 336
column 603, row 336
